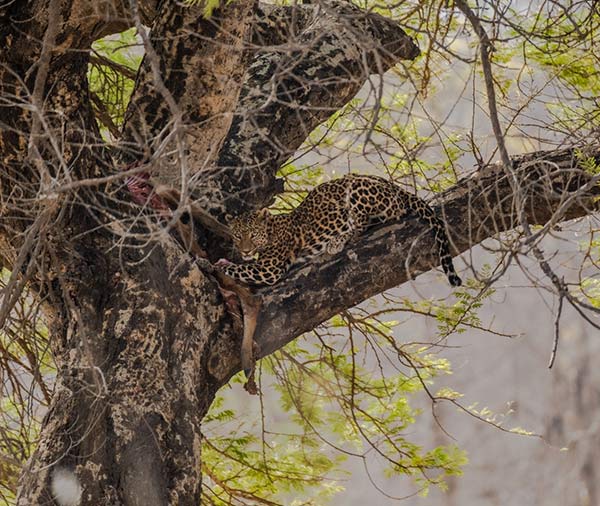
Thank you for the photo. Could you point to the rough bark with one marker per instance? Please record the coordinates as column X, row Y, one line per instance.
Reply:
column 190, row 101
column 131, row 323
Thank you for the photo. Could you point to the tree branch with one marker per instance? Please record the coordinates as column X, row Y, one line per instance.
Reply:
column 288, row 92
column 188, row 90
column 556, row 188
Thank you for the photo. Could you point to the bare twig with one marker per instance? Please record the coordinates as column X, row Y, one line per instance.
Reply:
column 556, row 331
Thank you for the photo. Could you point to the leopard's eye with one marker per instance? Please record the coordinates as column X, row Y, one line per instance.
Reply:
column 235, row 234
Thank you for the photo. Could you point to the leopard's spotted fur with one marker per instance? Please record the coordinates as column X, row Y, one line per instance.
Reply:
column 325, row 221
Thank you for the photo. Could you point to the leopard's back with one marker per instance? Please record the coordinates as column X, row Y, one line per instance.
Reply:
column 344, row 206
column 321, row 217
column 337, row 210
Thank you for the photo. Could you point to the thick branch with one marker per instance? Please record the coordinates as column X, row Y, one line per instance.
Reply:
column 131, row 324
column 478, row 207
column 288, row 92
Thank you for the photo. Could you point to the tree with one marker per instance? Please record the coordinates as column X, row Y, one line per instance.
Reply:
column 140, row 332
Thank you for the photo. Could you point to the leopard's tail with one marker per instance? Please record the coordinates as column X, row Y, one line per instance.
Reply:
column 443, row 245
column 425, row 212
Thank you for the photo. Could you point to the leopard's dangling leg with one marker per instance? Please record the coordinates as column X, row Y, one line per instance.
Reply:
column 250, row 307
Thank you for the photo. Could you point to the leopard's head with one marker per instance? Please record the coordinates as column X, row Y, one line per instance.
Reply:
column 250, row 232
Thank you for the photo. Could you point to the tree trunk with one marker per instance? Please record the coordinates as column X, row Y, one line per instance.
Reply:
column 133, row 321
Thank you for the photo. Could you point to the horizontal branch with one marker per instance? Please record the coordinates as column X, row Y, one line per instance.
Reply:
column 556, row 187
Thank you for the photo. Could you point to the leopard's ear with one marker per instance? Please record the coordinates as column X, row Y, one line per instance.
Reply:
column 228, row 218
column 263, row 214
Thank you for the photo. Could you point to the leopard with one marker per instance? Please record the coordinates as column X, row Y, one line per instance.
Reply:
column 332, row 214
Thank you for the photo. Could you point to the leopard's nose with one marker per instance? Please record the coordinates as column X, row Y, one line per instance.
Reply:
column 249, row 255
column 246, row 247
